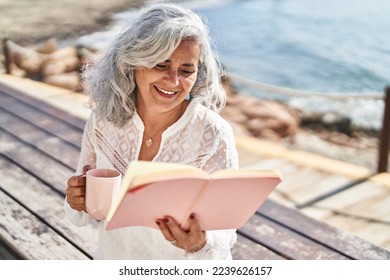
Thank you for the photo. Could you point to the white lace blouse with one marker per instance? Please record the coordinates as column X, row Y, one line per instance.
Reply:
column 200, row 138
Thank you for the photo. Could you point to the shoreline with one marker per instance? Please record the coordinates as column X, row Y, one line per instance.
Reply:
column 59, row 19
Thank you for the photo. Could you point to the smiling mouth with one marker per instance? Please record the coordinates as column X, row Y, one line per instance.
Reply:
column 164, row 91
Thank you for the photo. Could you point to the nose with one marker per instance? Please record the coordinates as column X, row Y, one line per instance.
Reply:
column 173, row 77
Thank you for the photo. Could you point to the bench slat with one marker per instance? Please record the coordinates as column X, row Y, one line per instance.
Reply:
column 35, row 162
column 41, row 119
column 42, row 106
column 246, row 249
column 31, row 238
column 44, row 203
column 300, row 183
column 45, row 142
column 332, row 237
column 286, row 242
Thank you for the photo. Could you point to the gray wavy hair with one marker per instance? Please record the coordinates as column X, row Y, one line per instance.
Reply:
column 153, row 37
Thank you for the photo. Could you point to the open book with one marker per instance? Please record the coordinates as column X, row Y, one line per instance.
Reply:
column 225, row 199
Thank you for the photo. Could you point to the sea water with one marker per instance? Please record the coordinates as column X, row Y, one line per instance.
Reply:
column 328, row 47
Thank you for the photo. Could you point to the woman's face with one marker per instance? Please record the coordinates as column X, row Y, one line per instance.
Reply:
column 164, row 87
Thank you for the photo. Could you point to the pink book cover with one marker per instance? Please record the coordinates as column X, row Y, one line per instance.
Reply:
column 223, row 200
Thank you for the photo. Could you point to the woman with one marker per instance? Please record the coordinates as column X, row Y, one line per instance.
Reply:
column 156, row 92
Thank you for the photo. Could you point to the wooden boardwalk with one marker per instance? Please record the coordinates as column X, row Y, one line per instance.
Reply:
column 39, row 146
column 343, row 195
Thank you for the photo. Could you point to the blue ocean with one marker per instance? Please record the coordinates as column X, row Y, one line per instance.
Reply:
column 331, row 48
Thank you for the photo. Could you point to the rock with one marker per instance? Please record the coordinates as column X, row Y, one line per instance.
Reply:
column 60, row 65
column 61, row 61
column 87, row 55
column 261, row 118
column 16, row 71
column 25, row 59
column 69, row 81
column 332, row 121
column 63, row 53
column 234, row 114
column 32, row 65
column 48, row 47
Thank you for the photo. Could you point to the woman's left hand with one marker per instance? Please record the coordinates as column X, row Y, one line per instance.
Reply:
column 191, row 240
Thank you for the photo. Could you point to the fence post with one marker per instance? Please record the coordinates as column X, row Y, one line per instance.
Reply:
column 384, row 140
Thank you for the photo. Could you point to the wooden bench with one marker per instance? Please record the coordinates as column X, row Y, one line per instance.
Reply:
column 363, row 210
column 39, row 148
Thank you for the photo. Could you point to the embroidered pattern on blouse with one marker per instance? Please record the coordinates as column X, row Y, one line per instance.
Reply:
column 202, row 139
column 110, row 152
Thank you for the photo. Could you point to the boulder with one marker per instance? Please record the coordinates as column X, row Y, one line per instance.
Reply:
column 54, row 66
column 234, row 114
column 261, row 118
column 48, row 47
column 59, row 67
column 69, row 80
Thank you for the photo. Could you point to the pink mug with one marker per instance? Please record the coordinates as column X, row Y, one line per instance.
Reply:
column 101, row 188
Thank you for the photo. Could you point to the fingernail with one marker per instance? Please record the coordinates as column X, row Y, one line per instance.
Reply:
column 158, row 223
column 166, row 220
column 192, row 216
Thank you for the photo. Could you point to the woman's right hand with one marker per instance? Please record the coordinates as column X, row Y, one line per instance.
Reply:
column 75, row 192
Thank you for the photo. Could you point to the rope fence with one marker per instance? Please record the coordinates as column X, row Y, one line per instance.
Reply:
column 384, row 137
column 300, row 93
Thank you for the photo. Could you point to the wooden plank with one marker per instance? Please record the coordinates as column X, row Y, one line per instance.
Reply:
column 301, row 184
column 382, row 178
column 57, row 148
column 368, row 200
column 6, row 253
column 42, row 106
column 30, row 237
column 47, row 169
column 372, row 231
column 363, row 210
column 302, row 158
column 246, row 249
column 286, row 242
column 47, row 122
column 331, row 237
column 45, row 204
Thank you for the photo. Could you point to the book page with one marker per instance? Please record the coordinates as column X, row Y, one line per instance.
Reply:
column 141, row 173
column 228, row 203
column 145, row 205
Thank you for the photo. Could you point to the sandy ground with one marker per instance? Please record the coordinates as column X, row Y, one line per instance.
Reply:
column 32, row 21
column 29, row 22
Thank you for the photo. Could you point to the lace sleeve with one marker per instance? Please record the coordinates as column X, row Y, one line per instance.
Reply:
column 87, row 157
column 224, row 152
